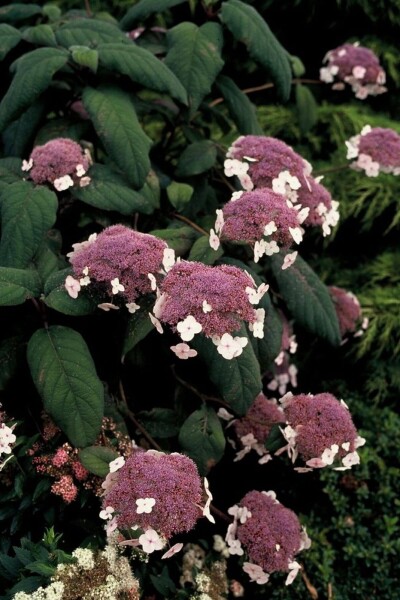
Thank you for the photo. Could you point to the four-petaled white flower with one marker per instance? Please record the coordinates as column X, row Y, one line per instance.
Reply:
column 255, row 296
column 168, row 259
column 107, row 513
column 294, row 568
column 145, row 505
column 206, row 509
column 271, row 248
column 359, row 72
column 236, row 195
column 63, row 183
column 270, row 228
column 257, row 327
column 176, row 548
column 116, row 464
column 188, row 328
column 183, row 351
column 214, row 240
column 289, row 260
column 150, row 541
column 230, row 347
column 235, row 547
column 255, row 573
column 351, row 459
column 132, row 307
column 206, row 307
column 27, row 165
column 328, row 455
column 84, row 181
column 116, row 286
column 80, row 170
column 72, row 286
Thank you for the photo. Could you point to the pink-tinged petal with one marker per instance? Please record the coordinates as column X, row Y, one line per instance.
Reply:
column 173, row 550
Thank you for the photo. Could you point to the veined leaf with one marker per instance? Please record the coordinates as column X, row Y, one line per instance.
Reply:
column 18, row 136
column 17, row 285
column 238, row 380
column 10, row 172
column 307, row 108
column 142, row 67
column 40, row 35
column 65, row 377
column 179, row 194
column 202, row 438
column 96, row 459
column 85, row 57
column 139, row 326
column 17, row 11
column 115, row 121
column 247, row 26
column 144, row 8
column 201, row 251
column 9, row 38
column 34, row 72
column 194, row 57
column 89, row 32
column 57, row 297
column 27, row 212
column 180, row 239
column 242, row 111
column 160, row 422
column 197, row 158
column 307, row 298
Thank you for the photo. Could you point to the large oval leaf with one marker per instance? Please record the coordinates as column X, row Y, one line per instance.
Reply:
column 202, row 438
column 89, row 32
column 307, row 298
column 242, row 111
column 19, row 135
column 96, row 459
column 144, row 8
column 115, row 121
column 65, row 377
column 247, row 26
column 194, row 57
column 138, row 327
column 306, row 108
column 17, row 11
column 142, row 67
column 27, row 212
column 9, row 38
column 57, row 297
column 34, row 72
column 17, row 285
column 197, row 158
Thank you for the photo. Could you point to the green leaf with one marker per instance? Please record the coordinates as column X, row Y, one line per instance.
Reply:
column 18, row 136
column 194, row 57
column 10, row 172
column 179, row 194
column 34, row 72
column 9, row 38
column 202, row 252
column 142, row 67
column 46, row 261
column 151, row 190
column 17, row 285
column 89, row 32
column 160, row 422
column 297, row 65
column 96, row 459
column 65, row 377
column 85, row 57
column 247, row 26
column 307, row 298
column 268, row 348
column 180, row 239
column 40, row 35
column 275, row 439
column 139, row 326
column 242, row 111
column 17, row 11
column 197, row 158
column 57, row 297
column 27, row 585
column 115, row 121
column 306, row 107
column 41, row 568
column 108, row 190
column 145, row 8
column 27, row 212
column 238, row 380
column 202, row 438
column 8, row 359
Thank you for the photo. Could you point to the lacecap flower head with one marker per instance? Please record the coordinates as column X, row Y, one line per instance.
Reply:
column 322, row 209
column 376, row 150
column 60, row 162
column 213, row 300
column 320, row 429
column 269, row 533
column 123, row 262
column 356, row 66
column 348, row 311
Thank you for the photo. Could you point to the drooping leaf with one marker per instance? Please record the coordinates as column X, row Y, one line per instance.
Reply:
column 142, row 67
column 34, row 72
column 194, row 57
column 40, row 35
column 27, row 212
column 237, row 380
column 18, row 136
column 160, row 422
column 9, row 38
column 89, row 32
column 85, row 57
column 201, row 251
column 143, row 9
column 115, row 121
column 17, row 285
column 65, row 377
column 307, row 298
column 197, row 158
column 139, row 326
column 202, row 438
column 96, row 459
column 180, row 239
column 242, row 111
column 307, row 108
column 57, row 297
column 179, row 194
column 248, row 26
column 17, row 11
column 110, row 191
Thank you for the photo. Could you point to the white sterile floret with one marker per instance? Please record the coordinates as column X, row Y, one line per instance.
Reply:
column 214, row 240
column 27, row 165
column 153, row 281
column 219, row 222
column 168, row 259
column 150, row 541
column 80, row 170
column 255, row 573
column 294, row 568
column 328, row 455
column 257, row 327
column 206, row 307
column 144, row 505
column 72, row 286
column 296, row 233
column 132, row 307
column 107, row 306
column 156, row 323
column 236, row 195
column 116, row 286
column 63, row 183
column 173, row 550
column 206, row 509
column 188, row 328
column 270, row 228
column 183, row 351
column 116, row 464
column 230, row 347
column 289, row 260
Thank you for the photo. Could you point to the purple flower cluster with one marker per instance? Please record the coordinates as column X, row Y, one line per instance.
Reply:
column 357, row 66
column 60, row 162
column 376, row 150
column 270, row 533
column 259, row 419
column 120, row 259
column 323, row 211
column 171, row 485
column 320, row 429
column 348, row 311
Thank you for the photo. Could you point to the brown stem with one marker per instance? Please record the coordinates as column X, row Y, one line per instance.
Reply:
column 331, row 169
column 189, row 222
column 126, row 411
column 203, row 397
column 311, row 589
column 219, row 513
column 41, row 309
column 266, row 86
column 88, row 8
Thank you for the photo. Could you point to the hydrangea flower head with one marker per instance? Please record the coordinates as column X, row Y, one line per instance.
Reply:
column 260, row 161
column 320, row 429
column 60, row 162
column 376, row 150
column 356, row 66
column 270, row 533
column 120, row 259
column 172, row 483
column 263, row 218
column 348, row 311
column 198, row 298
column 323, row 211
